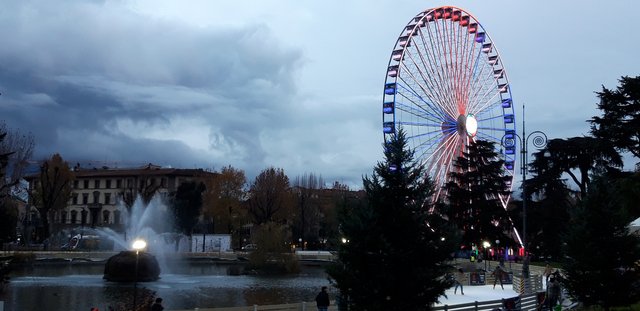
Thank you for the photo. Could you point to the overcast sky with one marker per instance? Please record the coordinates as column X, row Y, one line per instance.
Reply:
column 294, row 84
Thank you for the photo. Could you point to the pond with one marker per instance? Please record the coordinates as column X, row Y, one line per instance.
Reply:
column 194, row 285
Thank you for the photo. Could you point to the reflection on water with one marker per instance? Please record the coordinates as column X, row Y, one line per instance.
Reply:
column 202, row 285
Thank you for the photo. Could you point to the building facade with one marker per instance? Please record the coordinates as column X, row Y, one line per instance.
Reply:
column 101, row 196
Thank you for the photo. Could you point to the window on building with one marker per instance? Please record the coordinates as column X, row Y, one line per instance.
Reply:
column 86, row 184
column 74, row 199
column 108, row 186
column 96, row 184
column 83, row 217
column 116, row 217
column 96, row 197
column 107, row 198
column 129, row 183
column 63, row 217
column 105, row 217
column 76, row 183
column 118, row 183
column 74, row 217
column 85, row 198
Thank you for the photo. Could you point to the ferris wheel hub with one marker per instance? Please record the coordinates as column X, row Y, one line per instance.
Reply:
column 467, row 125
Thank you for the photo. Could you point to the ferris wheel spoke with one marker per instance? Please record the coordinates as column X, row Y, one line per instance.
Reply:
column 436, row 61
column 420, row 113
column 428, row 90
column 482, row 81
column 480, row 97
column 435, row 107
column 441, row 32
column 471, row 71
column 446, row 158
column 458, row 68
column 487, row 102
column 435, row 90
column 433, row 139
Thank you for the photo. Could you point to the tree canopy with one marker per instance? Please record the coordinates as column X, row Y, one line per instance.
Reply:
column 270, row 196
column 620, row 120
column 475, row 195
column 396, row 252
column 223, row 199
column 600, row 256
column 53, row 189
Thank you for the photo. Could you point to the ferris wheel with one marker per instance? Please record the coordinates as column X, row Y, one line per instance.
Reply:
column 446, row 87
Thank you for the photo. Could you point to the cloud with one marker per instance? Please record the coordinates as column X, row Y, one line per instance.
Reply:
column 98, row 81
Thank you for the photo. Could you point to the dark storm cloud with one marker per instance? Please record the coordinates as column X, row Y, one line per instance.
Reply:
column 93, row 80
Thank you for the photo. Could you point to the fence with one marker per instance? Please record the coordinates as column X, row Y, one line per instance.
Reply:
column 300, row 306
column 524, row 303
column 529, row 285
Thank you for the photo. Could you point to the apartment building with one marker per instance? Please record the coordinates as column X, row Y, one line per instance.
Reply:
column 100, row 195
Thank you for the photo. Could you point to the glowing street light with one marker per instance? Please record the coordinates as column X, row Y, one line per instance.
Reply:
column 486, row 245
column 138, row 245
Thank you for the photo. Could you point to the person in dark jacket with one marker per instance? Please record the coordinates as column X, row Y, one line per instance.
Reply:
column 157, row 306
column 322, row 299
column 497, row 273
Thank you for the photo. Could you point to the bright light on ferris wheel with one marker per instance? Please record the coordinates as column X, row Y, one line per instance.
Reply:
column 471, row 125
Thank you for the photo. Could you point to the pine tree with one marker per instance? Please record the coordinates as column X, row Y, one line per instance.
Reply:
column 620, row 120
column 473, row 193
column 396, row 252
column 600, row 256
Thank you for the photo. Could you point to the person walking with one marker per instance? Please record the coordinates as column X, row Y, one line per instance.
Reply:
column 548, row 270
column 497, row 276
column 157, row 306
column 322, row 299
column 459, row 280
column 553, row 292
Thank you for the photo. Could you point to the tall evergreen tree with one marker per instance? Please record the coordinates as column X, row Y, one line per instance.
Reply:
column 600, row 256
column 620, row 120
column 550, row 213
column 396, row 251
column 475, row 192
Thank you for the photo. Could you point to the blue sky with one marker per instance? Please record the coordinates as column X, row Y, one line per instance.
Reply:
column 289, row 84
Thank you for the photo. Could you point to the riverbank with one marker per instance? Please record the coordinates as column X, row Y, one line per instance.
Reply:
column 305, row 257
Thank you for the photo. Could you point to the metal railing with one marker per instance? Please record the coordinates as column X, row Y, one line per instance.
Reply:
column 525, row 303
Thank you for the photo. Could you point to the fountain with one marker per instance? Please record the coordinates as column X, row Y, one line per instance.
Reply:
column 144, row 222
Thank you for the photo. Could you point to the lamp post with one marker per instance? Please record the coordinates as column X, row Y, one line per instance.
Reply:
column 539, row 140
column 486, row 245
column 137, row 245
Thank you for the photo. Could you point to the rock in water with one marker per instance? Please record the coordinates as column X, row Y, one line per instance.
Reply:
column 122, row 267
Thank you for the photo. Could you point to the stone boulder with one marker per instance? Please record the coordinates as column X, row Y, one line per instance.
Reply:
column 122, row 267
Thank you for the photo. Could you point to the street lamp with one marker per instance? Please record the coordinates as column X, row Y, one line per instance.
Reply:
column 486, row 245
column 137, row 245
column 539, row 140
